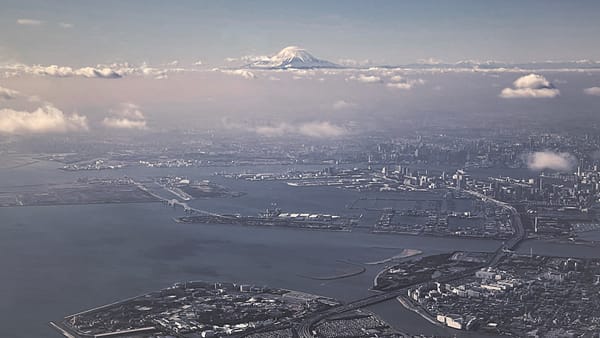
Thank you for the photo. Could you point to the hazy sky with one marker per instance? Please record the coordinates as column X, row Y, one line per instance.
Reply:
column 79, row 32
column 94, row 66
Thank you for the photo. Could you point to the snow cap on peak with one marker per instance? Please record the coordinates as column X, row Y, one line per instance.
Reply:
column 292, row 57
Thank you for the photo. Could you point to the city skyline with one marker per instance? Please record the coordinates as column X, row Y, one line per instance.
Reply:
column 302, row 169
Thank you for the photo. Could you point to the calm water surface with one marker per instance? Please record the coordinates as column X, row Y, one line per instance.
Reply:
column 58, row 260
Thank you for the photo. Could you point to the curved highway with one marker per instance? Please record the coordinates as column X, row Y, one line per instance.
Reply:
column 305, row 328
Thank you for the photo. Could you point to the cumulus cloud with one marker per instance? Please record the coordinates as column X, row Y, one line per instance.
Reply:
column 29, row 22
column 248, row 59
column 198, row 63
column 595, row 91
column 530, row 86
column 272, row 130
column 313, row 129
column 62, row 71
column 126, row 116
column 146, row 70
column 399, row 82
column 542, row 160
column 65, row 25
column 112, row 71
column 321, row 129
column 52, row 70
column 8, row 94
column 46, row 119
column 128, row 110
column 365, row 78
column 387, row 77
column 105, row 73
column 399, row 85
column 123, row 123
column 342, row 104
column 246, row 74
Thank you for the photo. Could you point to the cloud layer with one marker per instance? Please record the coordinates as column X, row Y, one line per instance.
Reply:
column 530, row 86
column 123, row 123
column 8, row 94
column 246, row 74
column 542, row 160
column 321, row 129
column 46, row 119
column 29, row 22
column 399, row 82
column 126, row 116
column 365, row 78
column 313, row 129
column 343, row 105
column 595, row 91
column 112, row 71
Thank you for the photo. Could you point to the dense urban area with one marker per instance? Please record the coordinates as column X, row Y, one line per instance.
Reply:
column 445, row 184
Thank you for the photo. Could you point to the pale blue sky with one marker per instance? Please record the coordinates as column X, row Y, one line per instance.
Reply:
column 390, row 32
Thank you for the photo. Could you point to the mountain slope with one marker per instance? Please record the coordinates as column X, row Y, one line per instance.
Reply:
column 292, row 58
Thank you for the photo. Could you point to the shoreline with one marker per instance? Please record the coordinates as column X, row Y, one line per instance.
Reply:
column 407, row 304
column 406, row 253
column 361, row 270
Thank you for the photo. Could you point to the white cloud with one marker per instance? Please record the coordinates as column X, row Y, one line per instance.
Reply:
column 550, row 160
column 595, row 91
column 399, row 82
column 321, row 130
column 534, row 81
column 399, row 85
column 273, row 130
column 126, row 116
column 198, row 63
column 342, row 104
column 112, row 71
column 145, row 70
column 46, row 119
column 531, row 86
column 510, row 93
column 246, row 74
column 61, row 71
column 128, row 110
column 8, row 94
column 52, row 70
column 29, row 22
column 248, row 59
column 365, row 78
column 313, row 129
column 123, row 123
column 104, row 73
column 65, row 25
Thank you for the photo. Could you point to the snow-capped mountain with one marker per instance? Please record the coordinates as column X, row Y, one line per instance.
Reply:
column 292, row 58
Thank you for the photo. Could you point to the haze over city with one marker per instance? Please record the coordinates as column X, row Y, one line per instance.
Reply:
column 189, row 64
column 299, row 168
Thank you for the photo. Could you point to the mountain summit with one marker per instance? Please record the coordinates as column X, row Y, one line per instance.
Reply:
column 292, row 58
